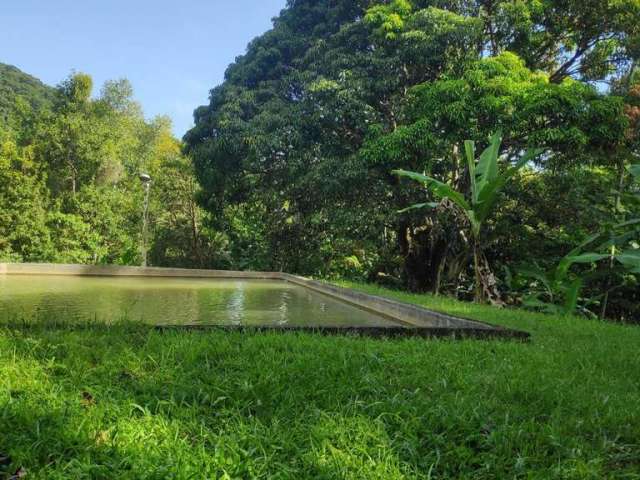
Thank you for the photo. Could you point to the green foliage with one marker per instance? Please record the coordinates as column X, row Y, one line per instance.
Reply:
column 73, row 240
column 69, row 188
column 310, row 122
column 500, row 92
column 486, row 183
column 293, row 153
column 388, row 18
column 112, row 214
column 567, row 38
column 76, row 90
column 181, row 237
column 15, row 85
column 484, row 177
column 531, row 111
column 24, row 235
column 558, row 291
column 249, row 145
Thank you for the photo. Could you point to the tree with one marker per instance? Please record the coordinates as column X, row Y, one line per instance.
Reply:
column 23, row 232
column 117, row 95
column 249, row 146
column 498, row 92
column 75, row 91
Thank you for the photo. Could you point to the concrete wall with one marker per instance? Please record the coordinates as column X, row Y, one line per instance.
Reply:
column 119, row 271
column 405, row 312
column 411, row 316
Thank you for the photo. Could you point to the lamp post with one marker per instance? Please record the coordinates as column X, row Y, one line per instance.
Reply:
column 146, row 183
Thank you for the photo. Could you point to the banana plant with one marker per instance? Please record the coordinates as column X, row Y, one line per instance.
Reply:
column 487, row 180
column 558, row 291
column 631, row 257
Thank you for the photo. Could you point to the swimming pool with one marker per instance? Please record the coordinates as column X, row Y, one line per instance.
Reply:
column 178, row 298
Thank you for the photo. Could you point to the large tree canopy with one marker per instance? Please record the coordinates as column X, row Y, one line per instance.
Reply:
column 309, row 123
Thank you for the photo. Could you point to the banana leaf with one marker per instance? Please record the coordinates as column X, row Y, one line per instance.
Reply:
column 439, row 189
column 419, row 206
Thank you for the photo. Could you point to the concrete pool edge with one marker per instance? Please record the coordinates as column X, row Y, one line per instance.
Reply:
column 409, row 319
column 126, row 271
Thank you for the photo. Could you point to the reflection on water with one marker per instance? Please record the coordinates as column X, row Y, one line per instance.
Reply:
column 175, row 301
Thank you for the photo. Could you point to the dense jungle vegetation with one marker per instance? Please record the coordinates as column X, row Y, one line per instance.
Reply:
column 69, row 187
column 298, row 162
column 296, row 149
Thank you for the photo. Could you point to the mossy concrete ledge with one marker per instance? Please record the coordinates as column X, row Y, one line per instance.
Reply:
column 405, row 319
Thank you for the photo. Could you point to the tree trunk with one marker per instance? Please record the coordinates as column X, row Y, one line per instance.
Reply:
column 438, row 282
column 425, row 257
column 416, row 261
column 490, row 29
column 479, row 297
column 195, row 235
column 486, row 285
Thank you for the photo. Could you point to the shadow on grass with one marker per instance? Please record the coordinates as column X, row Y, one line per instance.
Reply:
column 391, row 332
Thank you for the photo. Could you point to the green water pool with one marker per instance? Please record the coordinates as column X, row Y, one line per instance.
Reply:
column 176, row 301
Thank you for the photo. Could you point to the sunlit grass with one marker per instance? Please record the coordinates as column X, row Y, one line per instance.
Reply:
column 131, row 402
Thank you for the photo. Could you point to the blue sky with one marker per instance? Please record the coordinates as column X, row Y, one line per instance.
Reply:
column 172, row 51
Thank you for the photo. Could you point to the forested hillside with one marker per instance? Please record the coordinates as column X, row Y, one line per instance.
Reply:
column 69, row 187
column 295, row 150
column 15, row 83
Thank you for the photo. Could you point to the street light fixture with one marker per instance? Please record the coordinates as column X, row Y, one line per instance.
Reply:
column 145, row 178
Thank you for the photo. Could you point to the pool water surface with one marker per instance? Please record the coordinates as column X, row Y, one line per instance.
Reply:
column 176, row 301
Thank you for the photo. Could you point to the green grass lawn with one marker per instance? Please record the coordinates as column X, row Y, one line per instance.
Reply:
column 129, row 402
